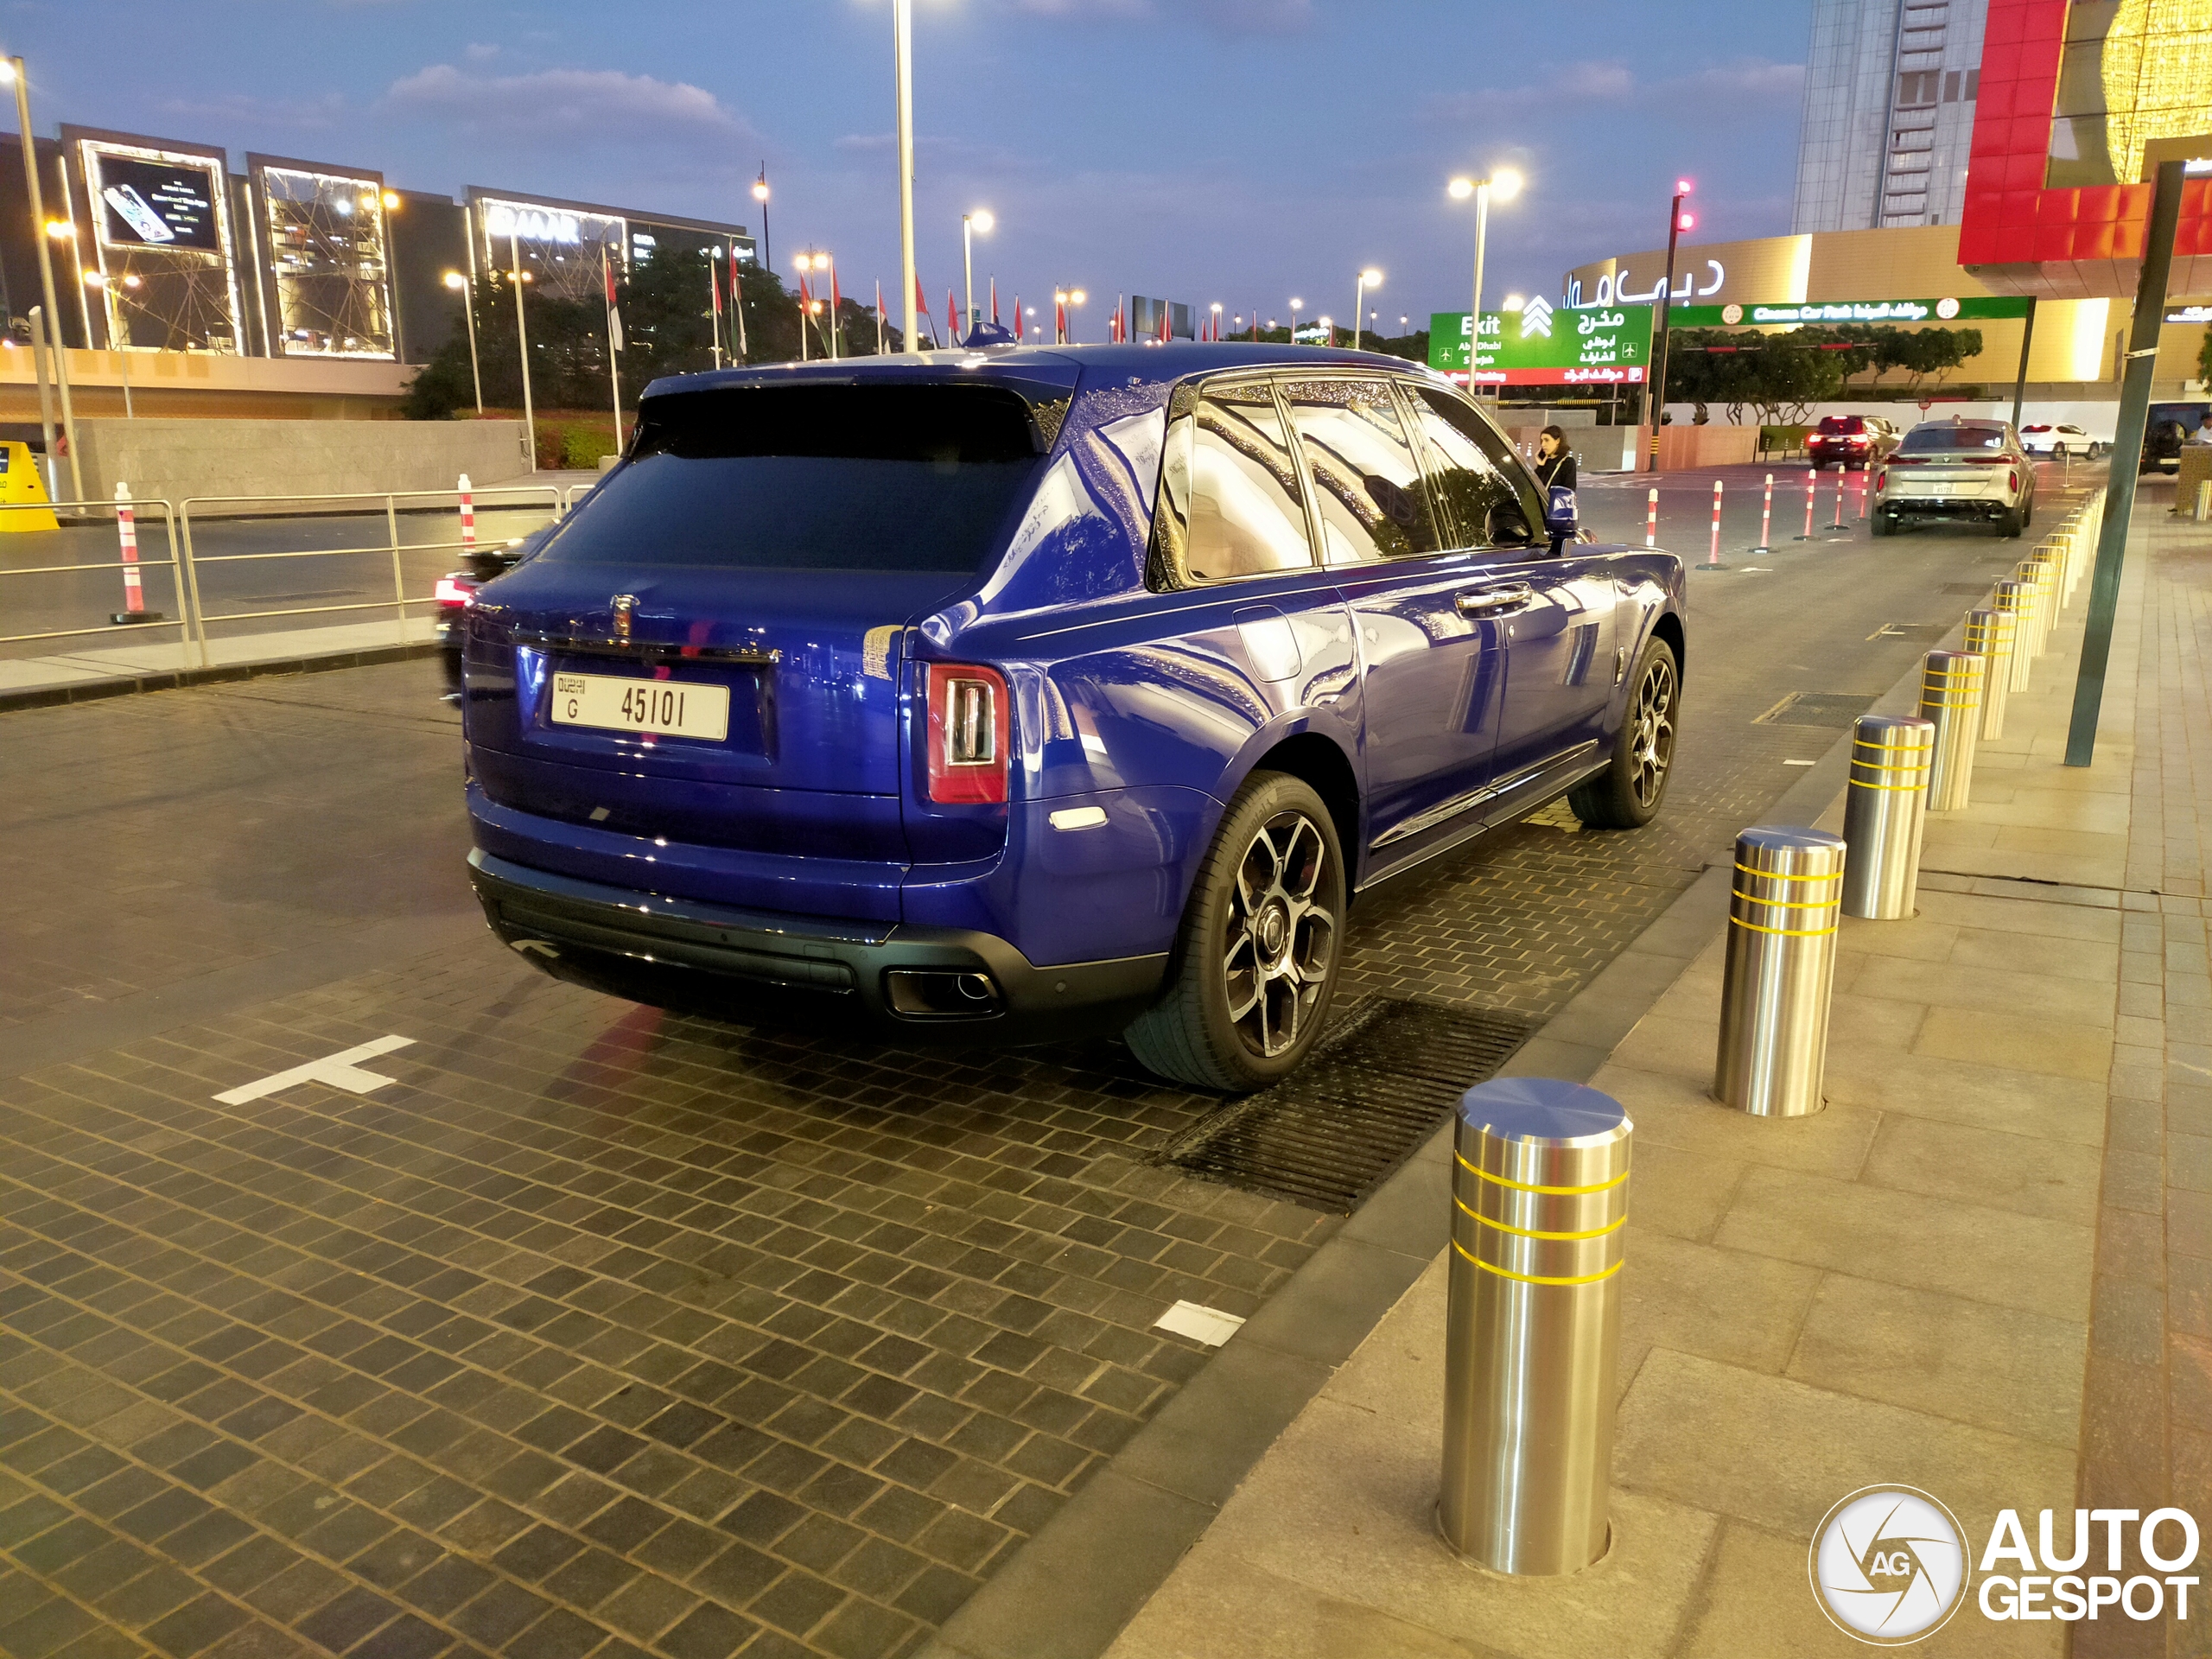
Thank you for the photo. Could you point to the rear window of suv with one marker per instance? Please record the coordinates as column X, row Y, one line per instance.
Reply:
column 812, row 478
column 1950, row 438
column 1834, row 424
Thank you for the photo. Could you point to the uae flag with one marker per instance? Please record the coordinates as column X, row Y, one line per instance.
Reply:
column 613, row 311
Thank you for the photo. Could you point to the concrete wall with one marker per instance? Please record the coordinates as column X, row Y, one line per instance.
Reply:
column 173, row 459
column 210, row 384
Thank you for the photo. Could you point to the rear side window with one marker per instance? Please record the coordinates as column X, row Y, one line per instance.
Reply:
column 812, row 478
column 1245, row 517
column 1833, row 424
column 1488, row 501
column 1367, row 485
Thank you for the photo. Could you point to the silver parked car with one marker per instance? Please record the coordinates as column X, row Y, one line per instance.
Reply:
column 1959, row 471
column 2045, row 438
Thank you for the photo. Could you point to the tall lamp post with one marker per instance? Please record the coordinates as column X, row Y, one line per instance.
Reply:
column 1064, row 301
column 1296, row 306
column 902, row 76
column 1656, row 397
column 760, row 195
column 455, row 280
column 1368, row 278
column 981, row 220
column 1504, row 183
column 516, row 275
column 14, row 72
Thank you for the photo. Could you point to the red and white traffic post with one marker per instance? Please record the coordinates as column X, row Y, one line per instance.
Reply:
column 1812, row 477
column 467, row 515
column 1712, row 559
column 1766, row 518
column 1651, row 519
column 1839, row 471
column 126, row 535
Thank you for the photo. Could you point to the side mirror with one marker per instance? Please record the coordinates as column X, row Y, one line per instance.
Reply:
column 1560, row 519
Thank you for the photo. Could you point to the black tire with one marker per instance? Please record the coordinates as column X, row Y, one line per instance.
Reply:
column 1628, row 793
column 2012, row 524
column 1257, row 953
column 1879, row 524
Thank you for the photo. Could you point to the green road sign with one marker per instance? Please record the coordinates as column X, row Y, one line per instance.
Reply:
column 1544, row 344
column 1791, row 313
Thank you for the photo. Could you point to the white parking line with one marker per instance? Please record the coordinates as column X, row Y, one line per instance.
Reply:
column 1201, row 1324
column 336, row 1070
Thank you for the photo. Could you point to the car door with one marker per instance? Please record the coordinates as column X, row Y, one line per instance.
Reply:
column 1558, row 610
column 1431, row 658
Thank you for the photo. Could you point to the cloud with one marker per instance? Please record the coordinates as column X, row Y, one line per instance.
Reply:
column 480, row 51
column 1746, row 78
column 594, row 104
column 1222, row 16
column 242, row 109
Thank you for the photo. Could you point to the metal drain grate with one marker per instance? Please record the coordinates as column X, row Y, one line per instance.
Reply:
column 1837, row 709
column 1329, row 1134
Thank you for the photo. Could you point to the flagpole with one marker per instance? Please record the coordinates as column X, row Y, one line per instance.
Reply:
column 737, row 309
column 902, row 24
column 715, row 303
column 614, row 341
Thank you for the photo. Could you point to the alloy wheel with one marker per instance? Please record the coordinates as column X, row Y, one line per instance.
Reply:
column 1651, row 725
column 1280, row 941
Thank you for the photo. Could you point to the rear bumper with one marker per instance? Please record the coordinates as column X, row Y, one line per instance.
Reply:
column 1979, row 510
column 758, row 966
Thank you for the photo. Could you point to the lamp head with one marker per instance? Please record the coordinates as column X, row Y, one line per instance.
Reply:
column 7, row 71
column 95, row 279
column 1513, row 302
column 392, row 201
column 1371, row 277
column 1505, row 183
column 1460, row 189
column 1683, row 187
column 1297, row 304
column 761, row 190
column 455, row 279
column 1077, row 297
column 62, row 229
column 1686, row 222
column 983, row 219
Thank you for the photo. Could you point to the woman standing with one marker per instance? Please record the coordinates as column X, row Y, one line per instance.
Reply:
column 1555, row 461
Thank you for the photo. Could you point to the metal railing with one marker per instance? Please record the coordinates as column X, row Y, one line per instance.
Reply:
column 553, row 498
column 95, row 511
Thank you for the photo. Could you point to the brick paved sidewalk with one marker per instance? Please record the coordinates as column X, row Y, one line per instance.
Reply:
column 1985, row 1269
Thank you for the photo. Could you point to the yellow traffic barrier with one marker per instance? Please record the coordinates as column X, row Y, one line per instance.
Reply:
column 19, row 482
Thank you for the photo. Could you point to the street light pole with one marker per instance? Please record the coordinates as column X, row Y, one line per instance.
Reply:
column 760, row 195
column 1368, row 278
column 1507, row 183
column 902, row 25
column 17, row 74
column 1677, row 222
column 455, row 280
column 1296, row 306
column 522, row 340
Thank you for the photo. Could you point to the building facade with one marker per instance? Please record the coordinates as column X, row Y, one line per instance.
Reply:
column 1891, row 87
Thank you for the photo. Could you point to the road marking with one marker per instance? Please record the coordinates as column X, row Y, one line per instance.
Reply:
column 1207, row 1325
column 336, row 1070
column 1797, row 763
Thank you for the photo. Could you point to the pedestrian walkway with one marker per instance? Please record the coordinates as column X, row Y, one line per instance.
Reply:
column 1985, row 1269
column 101, row 669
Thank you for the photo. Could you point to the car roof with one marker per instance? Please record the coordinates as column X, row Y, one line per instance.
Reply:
column 1041, row 369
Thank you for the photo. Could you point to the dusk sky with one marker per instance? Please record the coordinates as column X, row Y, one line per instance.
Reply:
column 1238, row 150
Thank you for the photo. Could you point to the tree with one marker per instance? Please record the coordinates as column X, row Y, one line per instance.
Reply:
column 2204, row 357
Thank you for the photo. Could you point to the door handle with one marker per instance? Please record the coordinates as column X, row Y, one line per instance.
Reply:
column 1490, row 602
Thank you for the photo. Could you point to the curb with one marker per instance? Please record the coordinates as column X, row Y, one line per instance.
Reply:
column 1068, row 1592
column 126, row 685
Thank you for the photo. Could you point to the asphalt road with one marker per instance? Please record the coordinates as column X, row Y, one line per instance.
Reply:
column 597, row 1330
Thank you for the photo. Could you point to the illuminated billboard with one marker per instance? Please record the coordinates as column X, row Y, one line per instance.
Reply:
column 327, row 259
column 2079, row 99
column 559, row 242
column 162, row 242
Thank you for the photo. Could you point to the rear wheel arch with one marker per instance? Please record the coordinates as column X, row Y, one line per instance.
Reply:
column 1324, row 768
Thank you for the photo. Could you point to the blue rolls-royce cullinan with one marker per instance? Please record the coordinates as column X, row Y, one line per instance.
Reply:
column 1013, row 693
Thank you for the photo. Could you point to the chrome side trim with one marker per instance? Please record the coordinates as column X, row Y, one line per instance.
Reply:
column 1451, row 808
column 645, row 650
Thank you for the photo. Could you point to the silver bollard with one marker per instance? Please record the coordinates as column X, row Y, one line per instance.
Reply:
column 1781, row 967
column 1990, row 633
column 1950, row 696
column 1539, row 1195
column 2016, row 599
column 1884, row 810
column 2050, row 572
column 2042, row 611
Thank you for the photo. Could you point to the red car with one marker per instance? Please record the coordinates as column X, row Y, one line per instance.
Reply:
column 1860, row 441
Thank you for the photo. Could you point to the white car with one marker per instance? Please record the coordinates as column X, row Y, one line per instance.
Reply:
column 2060, row 439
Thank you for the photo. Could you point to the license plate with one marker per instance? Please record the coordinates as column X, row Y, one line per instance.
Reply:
column 665, row 708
